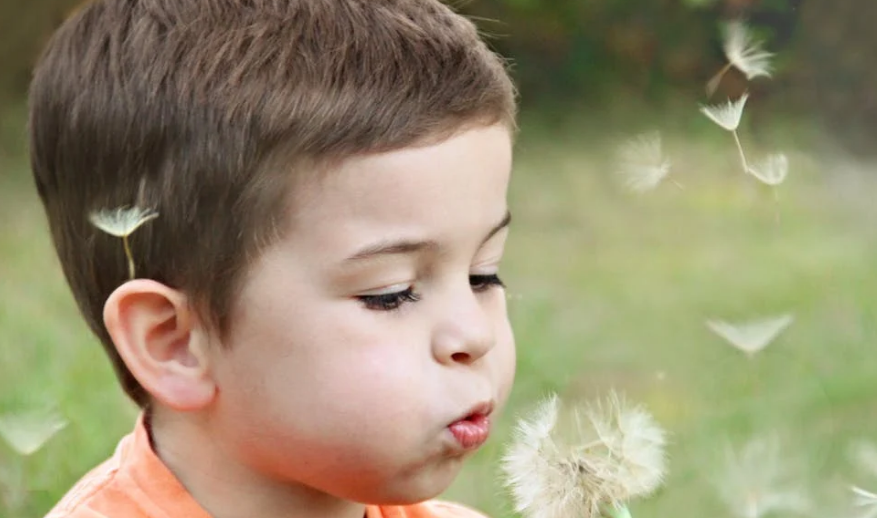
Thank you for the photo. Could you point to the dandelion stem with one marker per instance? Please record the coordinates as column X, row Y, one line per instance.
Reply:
column 129, row 257
column 740, row 150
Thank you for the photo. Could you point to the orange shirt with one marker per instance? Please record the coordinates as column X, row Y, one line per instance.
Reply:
column 135, row 483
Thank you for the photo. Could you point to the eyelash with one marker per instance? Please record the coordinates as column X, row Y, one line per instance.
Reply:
column 481, row 283
column 393, row 301
column 388, row 301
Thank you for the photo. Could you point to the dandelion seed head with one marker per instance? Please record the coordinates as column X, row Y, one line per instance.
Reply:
column 752, row 336
column 28, row 432
column 641, row 162
column 772, row 170
column 634, row 440
column 542, row 481
column 744, row 52
column 122, row 221
column 585, row 460
column 726, row 115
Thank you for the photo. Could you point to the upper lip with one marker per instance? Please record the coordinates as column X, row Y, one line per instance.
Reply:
column 483, row 408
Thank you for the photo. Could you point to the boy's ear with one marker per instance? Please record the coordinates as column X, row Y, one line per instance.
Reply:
column 162, row 343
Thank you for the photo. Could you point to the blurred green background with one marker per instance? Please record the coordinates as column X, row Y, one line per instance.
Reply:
column 607, row 288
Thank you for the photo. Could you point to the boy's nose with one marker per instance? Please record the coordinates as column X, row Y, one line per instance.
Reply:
column 465, row 331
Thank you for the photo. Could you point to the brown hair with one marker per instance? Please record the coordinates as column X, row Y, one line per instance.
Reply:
column 201, row 109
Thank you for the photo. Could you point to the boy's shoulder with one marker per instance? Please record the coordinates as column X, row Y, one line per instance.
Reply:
column 133, row 483
column 428, row 509
column 97, row 492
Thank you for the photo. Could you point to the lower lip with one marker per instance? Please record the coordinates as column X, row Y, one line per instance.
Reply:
column 471, row 432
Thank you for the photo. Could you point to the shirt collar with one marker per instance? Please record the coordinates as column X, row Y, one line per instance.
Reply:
column 161, row 491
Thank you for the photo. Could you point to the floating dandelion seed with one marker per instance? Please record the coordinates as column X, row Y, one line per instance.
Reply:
column 772, row 170
column 867, row 501
column 756, row 481
column 743, row 53
column 641, row 162
column 865, row 455
column 595, row 460
column 753, row 336
column 728, row 116
column 28, row 432
column 122, row 222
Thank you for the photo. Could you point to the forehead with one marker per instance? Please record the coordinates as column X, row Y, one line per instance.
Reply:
column 441, row 189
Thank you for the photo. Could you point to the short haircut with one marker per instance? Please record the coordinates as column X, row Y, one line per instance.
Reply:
column 205, row 109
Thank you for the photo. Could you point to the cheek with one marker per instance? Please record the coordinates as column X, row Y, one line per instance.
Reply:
column 335, row 368
column 359, row 359
column 504, row 358
column 505, row 347
column 327, row 401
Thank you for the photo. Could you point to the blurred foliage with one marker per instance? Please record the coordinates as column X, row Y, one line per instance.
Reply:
column 569, row 53
column 25, row 25
column 559, row 46
column 587, row 50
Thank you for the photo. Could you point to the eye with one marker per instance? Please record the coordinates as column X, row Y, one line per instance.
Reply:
column 481, row 283
column 388, row 301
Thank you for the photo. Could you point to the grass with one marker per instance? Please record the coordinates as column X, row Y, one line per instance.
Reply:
column 607, row 290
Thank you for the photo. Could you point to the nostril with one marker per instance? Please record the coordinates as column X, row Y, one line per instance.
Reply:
column 461, row 357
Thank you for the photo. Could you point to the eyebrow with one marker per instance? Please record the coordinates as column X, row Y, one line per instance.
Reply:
column 409, row 247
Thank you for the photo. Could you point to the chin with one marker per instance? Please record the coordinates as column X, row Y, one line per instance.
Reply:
column 417, row 488
column 405, row 497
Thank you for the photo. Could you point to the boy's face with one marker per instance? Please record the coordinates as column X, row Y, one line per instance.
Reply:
column 374, row 325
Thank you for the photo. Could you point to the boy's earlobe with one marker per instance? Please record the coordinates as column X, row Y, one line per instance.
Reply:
column 161, row 341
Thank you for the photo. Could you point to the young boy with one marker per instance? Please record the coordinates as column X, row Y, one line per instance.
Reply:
column 316, row 327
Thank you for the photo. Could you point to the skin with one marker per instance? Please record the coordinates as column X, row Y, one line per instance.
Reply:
column 324, row 396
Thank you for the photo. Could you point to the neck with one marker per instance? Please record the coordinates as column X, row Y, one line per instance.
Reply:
column 224, row 487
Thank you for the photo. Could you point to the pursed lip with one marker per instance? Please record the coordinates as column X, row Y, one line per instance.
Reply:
column 484, row 408
column 471, row 429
